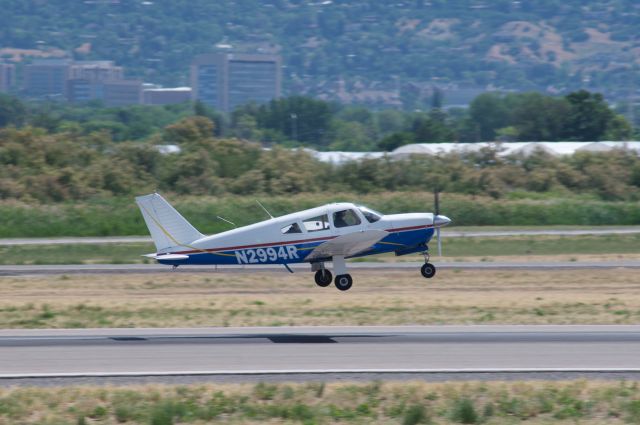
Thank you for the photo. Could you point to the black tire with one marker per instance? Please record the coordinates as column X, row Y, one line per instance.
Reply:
column 343, row 282
column 428, row 270
column 323, row 279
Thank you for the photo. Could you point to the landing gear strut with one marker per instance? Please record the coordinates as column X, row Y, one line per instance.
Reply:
column 323, row 278
column 428, row 270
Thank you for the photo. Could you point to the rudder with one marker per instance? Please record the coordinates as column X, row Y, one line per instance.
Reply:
column 167, row 226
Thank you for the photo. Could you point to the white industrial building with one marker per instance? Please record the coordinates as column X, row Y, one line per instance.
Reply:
column 553, row 148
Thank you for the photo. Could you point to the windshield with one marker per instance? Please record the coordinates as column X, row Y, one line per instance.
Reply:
column 371, row 215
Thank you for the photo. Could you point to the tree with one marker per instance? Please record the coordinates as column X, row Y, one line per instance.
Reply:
column 189, row 130
column 12, row 111
column 588, row 117
column 618, row 128
column 488, row 112
column 299, row 118
column 536, row 117
column 432, row 128
column 395, row 140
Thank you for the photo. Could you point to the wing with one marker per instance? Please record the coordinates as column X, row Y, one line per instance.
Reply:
column 347, row 245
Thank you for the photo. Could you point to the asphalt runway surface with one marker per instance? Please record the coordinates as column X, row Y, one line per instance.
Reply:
column 20, row 270
column 446, row 233
column 294, row 353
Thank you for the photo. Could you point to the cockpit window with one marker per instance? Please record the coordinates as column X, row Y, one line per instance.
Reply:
column 345, row 218
column 292, row 228
column 371, row 215
column 317, row 224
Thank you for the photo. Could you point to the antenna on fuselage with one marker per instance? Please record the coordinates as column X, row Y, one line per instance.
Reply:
column 228, row 221
column 265, row 210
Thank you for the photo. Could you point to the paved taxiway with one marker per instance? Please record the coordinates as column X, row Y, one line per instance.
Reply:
column 319, row 350
column 17, row 270
column 446, row 233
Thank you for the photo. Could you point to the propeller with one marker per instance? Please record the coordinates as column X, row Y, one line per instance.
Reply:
column 438, row 220
column 436, row 201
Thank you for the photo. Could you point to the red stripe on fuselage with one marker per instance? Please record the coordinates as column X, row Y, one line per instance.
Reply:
column 326, row 238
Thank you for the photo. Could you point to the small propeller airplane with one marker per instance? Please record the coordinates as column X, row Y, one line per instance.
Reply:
column 330, row 233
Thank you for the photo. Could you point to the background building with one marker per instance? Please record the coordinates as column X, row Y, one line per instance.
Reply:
column 47, row 77
column 7, row 77
column 96, row 71
column 81, row 81
column 122, row 92
column 166, row 96
column 227, row 80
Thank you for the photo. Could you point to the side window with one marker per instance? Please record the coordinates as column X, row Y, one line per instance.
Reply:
column 291, row 228
column 316, row 224
column 345, row 218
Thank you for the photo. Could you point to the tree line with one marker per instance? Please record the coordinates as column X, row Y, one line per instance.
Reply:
column 38, row 165
column 306, row 122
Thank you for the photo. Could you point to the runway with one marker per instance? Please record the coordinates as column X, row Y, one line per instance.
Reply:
column 459, row 232
column 291, row 351
column 18, row 270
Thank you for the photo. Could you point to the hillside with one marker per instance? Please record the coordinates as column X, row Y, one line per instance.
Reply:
column 352, row 50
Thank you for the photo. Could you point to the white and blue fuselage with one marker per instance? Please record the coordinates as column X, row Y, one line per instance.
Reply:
column 332, row 232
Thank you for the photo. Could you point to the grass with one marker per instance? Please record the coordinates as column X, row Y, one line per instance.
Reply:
column 120, row 216
column 406, row 403
column 184, row 299
column 454, row 248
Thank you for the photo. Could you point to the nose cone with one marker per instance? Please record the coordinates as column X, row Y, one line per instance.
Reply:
column 441, row 220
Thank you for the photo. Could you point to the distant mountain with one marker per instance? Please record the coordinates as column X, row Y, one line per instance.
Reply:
column 354, row 50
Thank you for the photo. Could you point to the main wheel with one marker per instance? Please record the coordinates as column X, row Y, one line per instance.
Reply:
column 323, row 278
column 343, row 282
column 428, row 270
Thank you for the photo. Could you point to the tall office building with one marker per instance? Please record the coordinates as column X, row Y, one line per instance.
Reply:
column 7, row 77
column 227, row 80
column 47, row 77
column 102, row 80
column 122, row 92
column 96, row 71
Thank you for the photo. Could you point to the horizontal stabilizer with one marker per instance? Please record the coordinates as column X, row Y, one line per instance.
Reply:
column 171, row 257
column 347, row 245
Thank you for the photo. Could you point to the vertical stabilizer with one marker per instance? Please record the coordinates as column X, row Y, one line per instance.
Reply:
column 167, row 227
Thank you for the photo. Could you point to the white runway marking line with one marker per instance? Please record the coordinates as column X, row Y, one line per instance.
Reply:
column 312, row 372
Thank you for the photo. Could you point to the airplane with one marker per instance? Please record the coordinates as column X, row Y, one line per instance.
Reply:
column 329, row 233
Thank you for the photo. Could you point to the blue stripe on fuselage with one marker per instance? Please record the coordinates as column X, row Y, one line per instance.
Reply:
column 390, row 243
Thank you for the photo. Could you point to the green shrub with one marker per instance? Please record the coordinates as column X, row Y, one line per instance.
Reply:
column 415, row 414
column 464, row 412
column 633, row 411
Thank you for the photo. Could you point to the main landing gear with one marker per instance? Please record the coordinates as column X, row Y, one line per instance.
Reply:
column 323, row 277
column 343, row 282
column 428, row 270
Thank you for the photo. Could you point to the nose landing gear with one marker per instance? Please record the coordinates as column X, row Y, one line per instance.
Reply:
column 428, row 270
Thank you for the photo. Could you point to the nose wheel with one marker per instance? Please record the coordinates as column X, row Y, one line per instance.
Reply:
column 428, row 270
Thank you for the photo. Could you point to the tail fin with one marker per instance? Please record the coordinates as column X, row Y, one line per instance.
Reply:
column 167, row 227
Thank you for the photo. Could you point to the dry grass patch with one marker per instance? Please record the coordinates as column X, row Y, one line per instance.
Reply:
column 185, row 299
column 319, row 403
